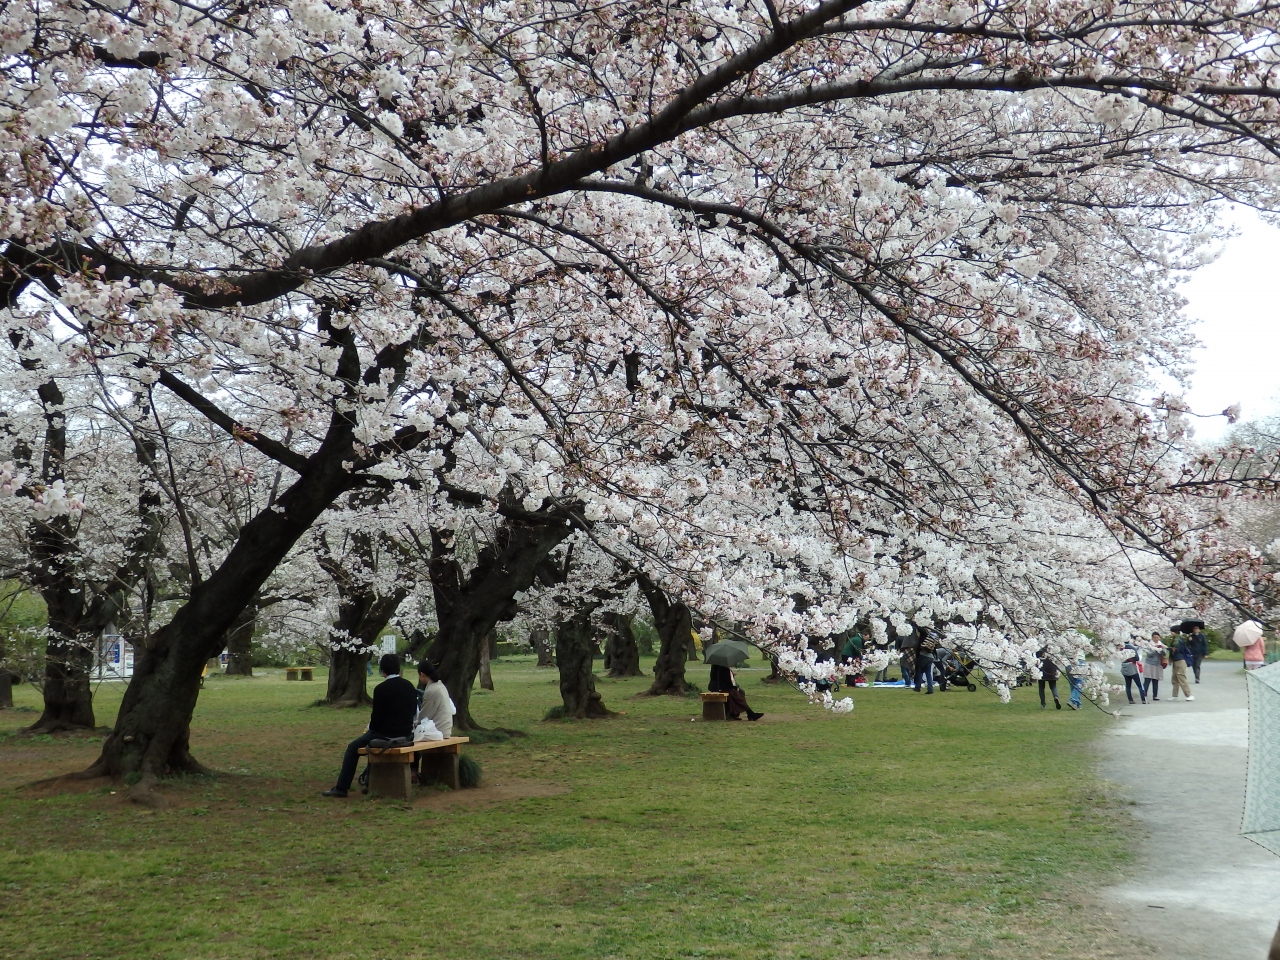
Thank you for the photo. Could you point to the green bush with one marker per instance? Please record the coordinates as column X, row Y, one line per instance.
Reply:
column 468, row 772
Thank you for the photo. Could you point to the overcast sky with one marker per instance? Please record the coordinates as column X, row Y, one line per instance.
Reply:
column 1237, row 301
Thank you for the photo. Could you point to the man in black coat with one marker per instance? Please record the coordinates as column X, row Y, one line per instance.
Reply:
column 395, row 702
column 1199, row 645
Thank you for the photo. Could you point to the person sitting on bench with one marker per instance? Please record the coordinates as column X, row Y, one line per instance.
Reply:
column 395, row 702
column 723, row 681
column 436, row 704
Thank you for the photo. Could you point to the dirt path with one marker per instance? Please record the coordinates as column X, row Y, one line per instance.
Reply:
column 1203, row 891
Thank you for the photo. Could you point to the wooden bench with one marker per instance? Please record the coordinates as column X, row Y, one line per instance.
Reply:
column 299, row 673
column 389, row 768
column 713, row 706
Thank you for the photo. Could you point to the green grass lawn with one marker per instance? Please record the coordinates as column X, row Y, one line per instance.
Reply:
column 943, row 826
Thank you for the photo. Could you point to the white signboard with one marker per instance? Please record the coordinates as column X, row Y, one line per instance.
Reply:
column 389, row 643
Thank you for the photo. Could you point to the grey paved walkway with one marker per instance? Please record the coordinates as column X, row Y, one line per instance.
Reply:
column 1203, row 891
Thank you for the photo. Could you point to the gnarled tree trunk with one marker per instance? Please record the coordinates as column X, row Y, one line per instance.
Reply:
column 467, row 608
column 575, row 656
column 622, row 654
column 674, row 623
column 363, row 614
column 543, row 647
column 6, row 689
column 486, row 654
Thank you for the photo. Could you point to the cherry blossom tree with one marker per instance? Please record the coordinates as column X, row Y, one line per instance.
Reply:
column 878, row 264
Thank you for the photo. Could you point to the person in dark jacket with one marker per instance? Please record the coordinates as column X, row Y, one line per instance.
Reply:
column 852, row 650
column 926, row 650
column 723, row 681
column 1048, row 677
column 395, row 702
column 907, row 644
column 1180, row 660
column 1199, row 645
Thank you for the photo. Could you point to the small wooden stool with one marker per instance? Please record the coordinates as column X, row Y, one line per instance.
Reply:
column 291, row 673
column 713, row 706
column 308, row 673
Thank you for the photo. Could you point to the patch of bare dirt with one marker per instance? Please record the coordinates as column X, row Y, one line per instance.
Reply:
column 488, row 794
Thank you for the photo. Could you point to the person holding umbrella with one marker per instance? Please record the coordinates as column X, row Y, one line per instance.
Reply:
column 1199, row 644
column 1248, row 637
column 723, row 656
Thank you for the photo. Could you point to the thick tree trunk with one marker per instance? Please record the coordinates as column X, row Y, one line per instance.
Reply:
column 68, row 697
column 543, row 647
column 486, row 654
column 6, row 689
column 575, row 656
column 240, row 643
column 622, row 654
column 362, row 616
column 348, row 675
column 673, row 622
column 468, row 608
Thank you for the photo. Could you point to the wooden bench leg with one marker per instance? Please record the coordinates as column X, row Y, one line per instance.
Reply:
column 390, row 780
column 438, row 767
column 714, row 710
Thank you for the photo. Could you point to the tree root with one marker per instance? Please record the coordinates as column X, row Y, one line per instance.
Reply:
column 43, row 726
column 143, row 793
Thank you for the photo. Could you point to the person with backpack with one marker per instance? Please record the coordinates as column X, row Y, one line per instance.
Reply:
column 395, row 702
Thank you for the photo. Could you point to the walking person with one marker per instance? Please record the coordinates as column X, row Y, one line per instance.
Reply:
column 1132, row 675
column 1179, row 660
column 907, row 644
column 1076, row 673
column 1153, row 663
column 1199, row 645
column 924, row 662
column 1255, row 655
column 1048, row 677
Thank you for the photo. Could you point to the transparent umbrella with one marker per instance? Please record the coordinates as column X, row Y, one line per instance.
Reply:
column 1262, row 792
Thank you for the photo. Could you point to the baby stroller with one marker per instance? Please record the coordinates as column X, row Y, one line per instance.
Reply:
column 955, row 669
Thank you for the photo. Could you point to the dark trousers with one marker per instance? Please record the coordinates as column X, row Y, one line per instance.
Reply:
column 1130, row 683
column 1053, row 688
column 1152, row 688
column 1195, row 666
column 924, row 672
column 351, row 758
column 737, row 703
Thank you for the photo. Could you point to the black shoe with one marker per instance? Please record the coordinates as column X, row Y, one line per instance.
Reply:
column 754, row 716
column 928, row 693
column 1057, row 704
column 334, row 792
